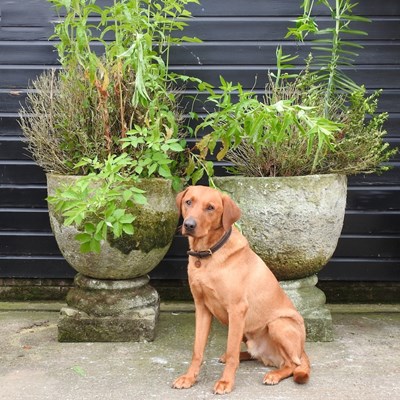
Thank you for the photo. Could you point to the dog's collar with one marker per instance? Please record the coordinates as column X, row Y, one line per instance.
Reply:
column 213, row 249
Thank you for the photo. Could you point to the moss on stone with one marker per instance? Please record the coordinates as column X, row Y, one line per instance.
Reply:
column 153, row 230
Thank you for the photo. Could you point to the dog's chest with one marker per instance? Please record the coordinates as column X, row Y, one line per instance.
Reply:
column 209, row 286
column 203, row 278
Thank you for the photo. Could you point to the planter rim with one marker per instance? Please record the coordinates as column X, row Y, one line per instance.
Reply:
column 311, row 176
column 54, row 174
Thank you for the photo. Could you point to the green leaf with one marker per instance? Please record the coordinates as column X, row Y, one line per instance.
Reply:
column 135, row 189
column 119, row 213
column 90, row 228
column 128, row 229
column 197, row 176
column 176, row 147
column 85, row 247
column 78, row 370
column 95, row 246
column 164, row 171
column 83, row 237
column 139, row 199
column 127, row 219
column 117, row 229
column 127, row 194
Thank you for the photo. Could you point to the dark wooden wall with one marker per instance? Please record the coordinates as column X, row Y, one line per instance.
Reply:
column 239, row 42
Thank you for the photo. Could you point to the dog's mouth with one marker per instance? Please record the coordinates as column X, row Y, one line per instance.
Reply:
column 186, row 232
column 189, row 227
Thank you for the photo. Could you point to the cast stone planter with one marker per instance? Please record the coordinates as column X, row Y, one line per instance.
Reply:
column 111, row 299
column 293, row 224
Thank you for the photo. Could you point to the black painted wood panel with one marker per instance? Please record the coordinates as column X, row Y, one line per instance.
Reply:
column 14, row 78
column 240, row 38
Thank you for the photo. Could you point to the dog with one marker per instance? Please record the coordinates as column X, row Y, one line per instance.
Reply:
column 230, row 282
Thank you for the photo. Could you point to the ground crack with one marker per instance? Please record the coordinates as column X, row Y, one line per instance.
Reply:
column 35, row 326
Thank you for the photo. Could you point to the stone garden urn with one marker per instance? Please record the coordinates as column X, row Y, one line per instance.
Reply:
column 294, row 224
column 111, row 299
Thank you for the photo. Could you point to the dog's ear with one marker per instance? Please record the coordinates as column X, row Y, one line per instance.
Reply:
column 231, row 212
column 179, row 198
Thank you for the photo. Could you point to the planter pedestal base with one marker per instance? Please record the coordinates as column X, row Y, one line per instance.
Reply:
column 310, row 302
column 109, row 311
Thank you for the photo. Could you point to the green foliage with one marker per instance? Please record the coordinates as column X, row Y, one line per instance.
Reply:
column 319, row 121
column 142, row 34
column 360, row 146
column 98, row 203
column 331, row 44
column 356, row 147
column 98, row 101
column 111, row 114
column 261, row 125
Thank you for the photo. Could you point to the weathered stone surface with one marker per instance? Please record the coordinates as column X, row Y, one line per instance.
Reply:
column 102, row 298
column 82, row 281
column 292, row 223
column 109, row 311
column 137, row 326
column 310, row 302
column 129, row 256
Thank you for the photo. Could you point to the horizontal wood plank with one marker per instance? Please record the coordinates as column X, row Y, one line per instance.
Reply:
column 35, row 267
column 32, row 196
column 210, row 53
column 17, row 77
column 20, row 173
column 28, row 243
column 11, row 101
column 23, row 219
column 362, row 269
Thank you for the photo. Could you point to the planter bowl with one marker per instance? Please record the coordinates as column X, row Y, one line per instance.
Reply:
column 129, row 256
column 292, row 223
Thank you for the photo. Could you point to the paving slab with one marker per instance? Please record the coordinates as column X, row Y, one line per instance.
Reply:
column 363, row 362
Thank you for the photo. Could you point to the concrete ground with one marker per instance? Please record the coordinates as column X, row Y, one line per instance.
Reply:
column 363, row 362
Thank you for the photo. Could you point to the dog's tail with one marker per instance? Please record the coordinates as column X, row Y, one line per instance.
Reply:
column 301, row 374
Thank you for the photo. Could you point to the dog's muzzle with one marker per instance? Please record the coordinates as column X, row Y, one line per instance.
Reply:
column 190, row 225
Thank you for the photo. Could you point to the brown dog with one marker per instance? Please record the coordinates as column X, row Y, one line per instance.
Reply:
column 230, row 282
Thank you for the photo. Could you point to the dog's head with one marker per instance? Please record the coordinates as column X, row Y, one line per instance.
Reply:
column 204, row 210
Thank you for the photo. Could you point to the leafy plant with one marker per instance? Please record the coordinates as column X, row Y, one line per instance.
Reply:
column 98, row 203
column 90, row 106
column 112, row 114
column 319, row 121
column 333, row 48
column 263, row 126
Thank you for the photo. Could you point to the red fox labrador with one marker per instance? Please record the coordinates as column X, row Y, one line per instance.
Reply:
column 230, row 282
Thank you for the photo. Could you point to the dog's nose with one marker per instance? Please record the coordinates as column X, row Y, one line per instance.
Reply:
column 189, row 224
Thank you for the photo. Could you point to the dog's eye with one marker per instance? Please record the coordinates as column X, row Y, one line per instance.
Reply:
column 188, row 202
column 210, row 207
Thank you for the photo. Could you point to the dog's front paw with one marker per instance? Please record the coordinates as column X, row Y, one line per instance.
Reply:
column 271, row 378
column 222, row 359
column 184, row 382
column 223, row 387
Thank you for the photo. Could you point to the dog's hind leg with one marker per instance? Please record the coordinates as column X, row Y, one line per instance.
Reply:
column 287, row 338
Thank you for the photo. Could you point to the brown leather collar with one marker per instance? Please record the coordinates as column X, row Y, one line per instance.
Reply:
column 213, row 249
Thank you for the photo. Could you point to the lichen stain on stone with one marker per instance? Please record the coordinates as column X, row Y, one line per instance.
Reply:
column 294, row 266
